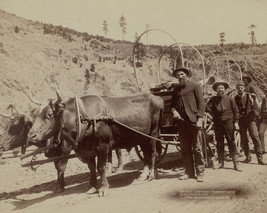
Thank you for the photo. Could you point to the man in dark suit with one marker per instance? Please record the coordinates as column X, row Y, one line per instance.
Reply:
column 188, row 107
column 247, row 110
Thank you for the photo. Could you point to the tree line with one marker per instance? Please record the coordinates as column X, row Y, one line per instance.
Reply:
column 251, row 33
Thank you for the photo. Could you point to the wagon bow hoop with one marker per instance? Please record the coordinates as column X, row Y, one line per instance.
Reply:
column 77, row 120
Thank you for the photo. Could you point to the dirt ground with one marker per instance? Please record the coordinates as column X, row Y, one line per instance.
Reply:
column 224, row 190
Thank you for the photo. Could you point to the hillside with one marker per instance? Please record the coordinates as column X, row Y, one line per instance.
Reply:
column 34, row 56
column 33, row 61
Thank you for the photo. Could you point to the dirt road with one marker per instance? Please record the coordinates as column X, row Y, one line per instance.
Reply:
column 224, row 190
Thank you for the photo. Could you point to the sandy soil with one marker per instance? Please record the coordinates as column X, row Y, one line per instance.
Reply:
column 224, row 190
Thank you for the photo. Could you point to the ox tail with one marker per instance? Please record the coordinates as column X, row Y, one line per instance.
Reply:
column 158, row 143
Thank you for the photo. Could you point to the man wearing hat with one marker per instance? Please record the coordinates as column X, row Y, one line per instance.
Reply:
column 248, row 87
column 263, row 118
column 247, row 111
column 225, row 118
column 188, row 107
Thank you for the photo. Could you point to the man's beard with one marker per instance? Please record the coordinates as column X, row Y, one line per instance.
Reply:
column 182, row 81
column 240, row 93
column 220, row 93
column 181, row 84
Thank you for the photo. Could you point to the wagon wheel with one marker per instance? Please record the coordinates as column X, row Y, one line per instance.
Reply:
column 161, row 149
column 208, row 137
column 238, row 141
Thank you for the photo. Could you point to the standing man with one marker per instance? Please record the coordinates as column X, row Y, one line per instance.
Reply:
column 188, row 107
column 263, row 118
column 248, row 87
column 225, row 118
column 247, row 110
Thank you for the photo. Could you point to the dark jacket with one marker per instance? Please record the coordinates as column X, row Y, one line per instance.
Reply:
column 250, row 89
column 188, row 100
column 263, row 112
column 223, row 108
column 244, row 109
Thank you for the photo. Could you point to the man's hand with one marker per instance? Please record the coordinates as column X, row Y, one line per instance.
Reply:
column 199, row 123
column 176, row 115
column 236, row 125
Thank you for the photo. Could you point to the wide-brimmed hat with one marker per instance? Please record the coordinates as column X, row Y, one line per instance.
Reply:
column 240, row 83
column 216, row 84
column 247, row 77
column 186, row 71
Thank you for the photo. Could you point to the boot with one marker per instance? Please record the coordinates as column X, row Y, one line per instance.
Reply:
column 218, row 165
column 261, row 162
column 236, row 166
column 247, row 160
column 200, row 177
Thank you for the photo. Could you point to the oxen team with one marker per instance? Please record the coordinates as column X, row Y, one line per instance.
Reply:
column 55, row 121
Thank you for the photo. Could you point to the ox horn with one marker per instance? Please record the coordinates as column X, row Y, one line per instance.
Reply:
column 59, row 97
column 12, row 108
column 4, row 115
column 32, row 99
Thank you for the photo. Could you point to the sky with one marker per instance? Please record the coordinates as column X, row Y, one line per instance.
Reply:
column 187, row 21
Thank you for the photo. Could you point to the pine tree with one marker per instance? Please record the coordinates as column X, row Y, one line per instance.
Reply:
column 222, row 40
column 252, row 33
column 105, row 27
column 123, row 24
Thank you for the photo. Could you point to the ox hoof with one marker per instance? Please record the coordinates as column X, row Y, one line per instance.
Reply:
column 119, row 169
column 103, row 191
column 141, row 179
column 151, row 177
column 92, row 190
column 59, row 190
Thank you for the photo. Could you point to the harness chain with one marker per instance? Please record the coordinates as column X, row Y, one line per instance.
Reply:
column 109, row 119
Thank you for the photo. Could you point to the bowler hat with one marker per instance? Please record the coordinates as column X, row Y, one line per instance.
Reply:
column 216, row 84
column 186, row 71
column 247, row 77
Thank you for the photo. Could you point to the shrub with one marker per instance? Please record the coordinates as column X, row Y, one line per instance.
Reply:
column 16, row 29
column 87, row 74
column 92, row 68
column 75, row 60
column 60, row 51
column 85, row 57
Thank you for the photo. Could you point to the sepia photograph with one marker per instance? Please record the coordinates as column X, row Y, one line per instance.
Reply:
column 133, row 106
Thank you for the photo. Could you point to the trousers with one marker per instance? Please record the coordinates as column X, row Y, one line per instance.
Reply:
column 225, row 129
column 191, row 147
column 262, row 129
column 251, row 127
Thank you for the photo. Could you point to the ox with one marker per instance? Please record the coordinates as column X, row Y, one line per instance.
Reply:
column 15, row 136
column 141, row 112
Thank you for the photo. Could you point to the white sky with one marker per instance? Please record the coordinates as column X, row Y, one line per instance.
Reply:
column 188, row 21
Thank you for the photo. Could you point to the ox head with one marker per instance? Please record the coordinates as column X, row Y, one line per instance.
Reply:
column 16, row 131
column 47, row 122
